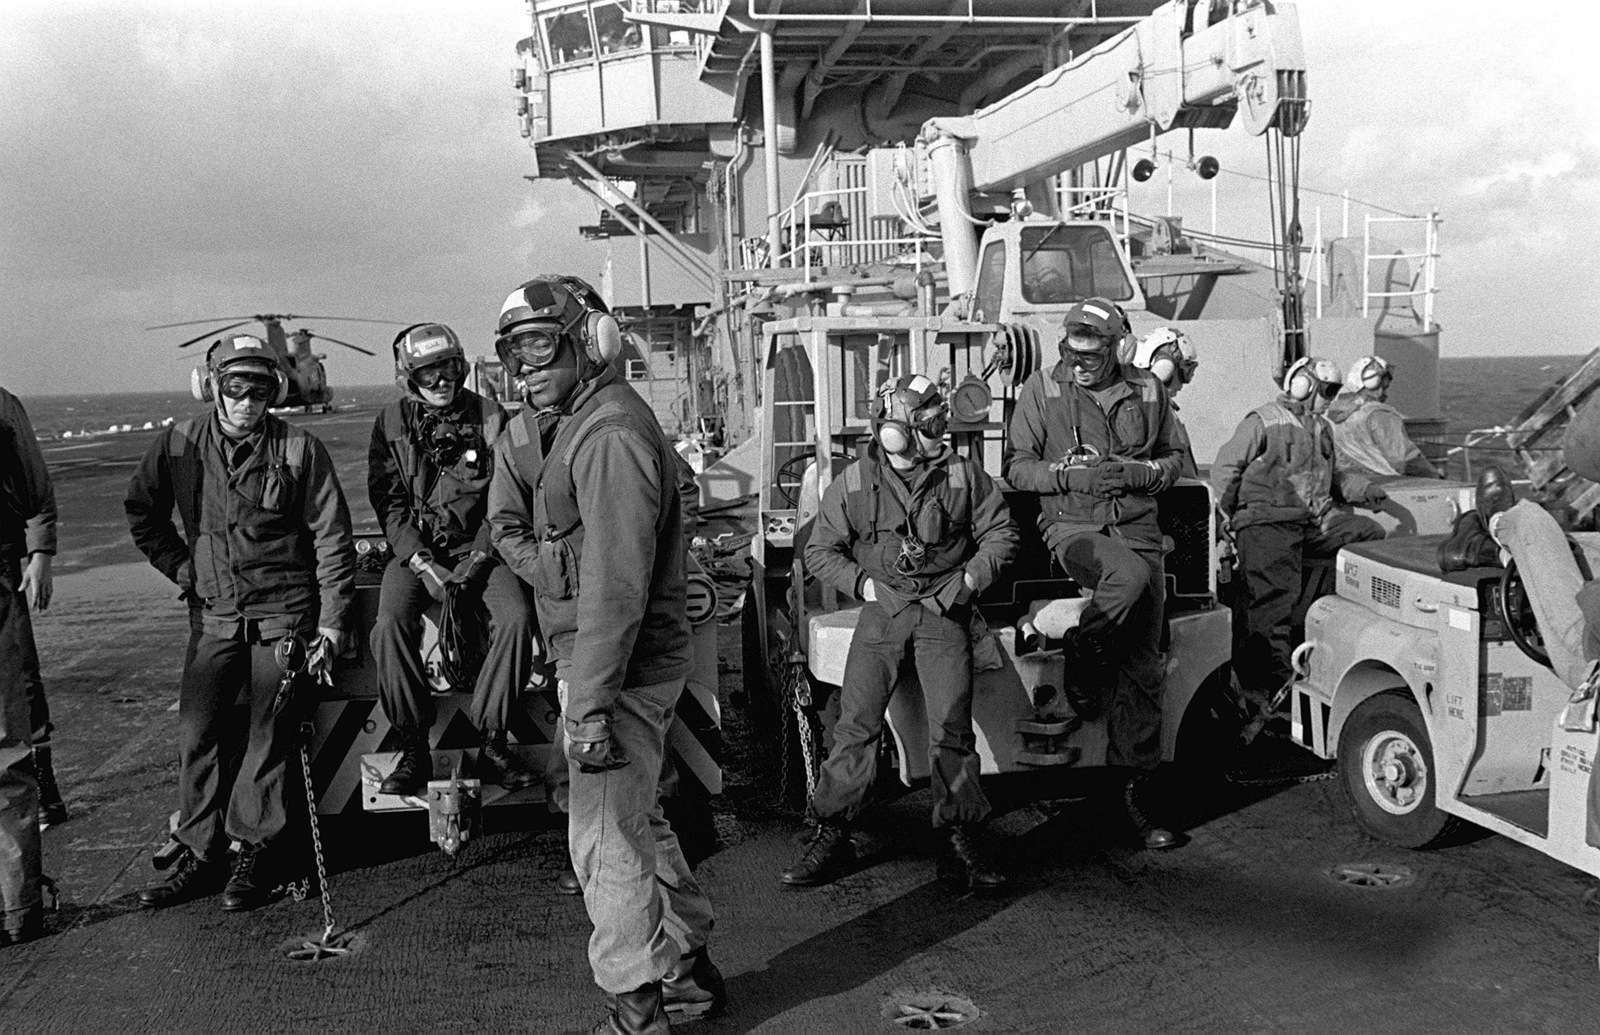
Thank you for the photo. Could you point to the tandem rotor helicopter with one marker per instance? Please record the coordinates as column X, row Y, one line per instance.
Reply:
column 308, row 379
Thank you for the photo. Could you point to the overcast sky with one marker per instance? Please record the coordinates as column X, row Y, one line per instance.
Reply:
column 172, row 161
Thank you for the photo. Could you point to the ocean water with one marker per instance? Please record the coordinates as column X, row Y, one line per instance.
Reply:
column 84, row 416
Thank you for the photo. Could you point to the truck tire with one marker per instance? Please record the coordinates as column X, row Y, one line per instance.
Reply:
column 1387, row 772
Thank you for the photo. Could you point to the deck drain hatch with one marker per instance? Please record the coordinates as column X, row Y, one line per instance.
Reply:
column 1371, row 876
column 928, row 1011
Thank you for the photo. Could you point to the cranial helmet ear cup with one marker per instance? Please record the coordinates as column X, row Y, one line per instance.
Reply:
column 894, row 436
column 1163, row 368
column 604, row 338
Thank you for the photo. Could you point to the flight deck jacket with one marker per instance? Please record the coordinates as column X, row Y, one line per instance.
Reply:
column 422, row 505
column 1054, row 416
column 1279, row 468
column 585, row 508
column 268, row 542
column 27, row 500
column 951, row 507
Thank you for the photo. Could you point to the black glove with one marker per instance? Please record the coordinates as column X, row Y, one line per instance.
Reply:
column 1375, row 497
column 589, row 745
column 432, row 576
column 1100, row 480
column 1142, row 478
column 473, row 568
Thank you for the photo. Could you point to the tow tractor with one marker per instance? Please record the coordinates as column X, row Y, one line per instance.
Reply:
column 1433, row 691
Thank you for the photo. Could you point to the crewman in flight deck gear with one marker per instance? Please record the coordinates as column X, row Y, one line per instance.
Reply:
column 1279, row 493
column 916, row 531
column 1096, row 439
column 584, row 506
column 1169, row 354
column 1369, row 435
column 428, row 471
column 264, row 553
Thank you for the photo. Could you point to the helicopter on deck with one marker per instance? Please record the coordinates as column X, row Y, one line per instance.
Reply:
column 308, row 380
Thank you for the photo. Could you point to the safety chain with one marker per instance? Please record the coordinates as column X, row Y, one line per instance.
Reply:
column 794, row 674
column 329, row 945
column 1280, row 781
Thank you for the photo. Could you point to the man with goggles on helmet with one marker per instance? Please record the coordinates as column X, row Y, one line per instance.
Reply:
column 916, row 531
column 263, row 553
column 1096, row 440
column 428, row 471
column 1280, row 493
column 1369, row 434
column 1169, row 354
column 585, row 507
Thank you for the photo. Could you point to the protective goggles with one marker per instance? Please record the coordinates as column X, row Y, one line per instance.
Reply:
column 529, row 350
column 1328, row 389
column 912, row 551
column 452, row 370
column 247, row 386
column 1088, row 359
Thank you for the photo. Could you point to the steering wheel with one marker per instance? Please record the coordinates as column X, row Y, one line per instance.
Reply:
column 1520, row 620
column 786, row 473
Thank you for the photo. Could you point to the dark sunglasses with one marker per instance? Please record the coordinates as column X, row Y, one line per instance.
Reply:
column 241, row 386
column 430, row 376
column 529, row 350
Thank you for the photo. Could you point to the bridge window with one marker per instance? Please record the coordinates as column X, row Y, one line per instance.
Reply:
column 1063, row 263
column 616, row 36
column 566, row 33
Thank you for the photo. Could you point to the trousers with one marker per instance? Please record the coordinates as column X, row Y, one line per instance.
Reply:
column 942, row 652
column 224, row 793
column 1552, row 580
column 645, row 904
column 397, row 650
column 19, row 789
column 1127, row 599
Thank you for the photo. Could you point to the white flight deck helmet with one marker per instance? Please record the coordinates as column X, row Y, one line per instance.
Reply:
column 1311, row 376
column 1167, row 352
column 1370, row 373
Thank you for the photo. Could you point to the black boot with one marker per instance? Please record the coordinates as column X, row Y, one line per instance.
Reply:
column 828, row 853
column 253, row 883
column 961, row 862
column 412, row 770
column 1148, row 834
column 1468, row 545
column 31, row 926
column 190, row 879
column 512, row 774
column 52, row 810
column 639, row 1012
column 694, row 987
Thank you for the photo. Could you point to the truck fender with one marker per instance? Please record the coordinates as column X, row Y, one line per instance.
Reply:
column 1355, row 655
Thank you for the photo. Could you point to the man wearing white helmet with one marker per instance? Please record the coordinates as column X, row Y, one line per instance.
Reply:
column 1279, row 493
column 1368, row 433
column 263, row 554
column 584, row 506
column 1169, row 354
column 428, row 470
column 915, row 531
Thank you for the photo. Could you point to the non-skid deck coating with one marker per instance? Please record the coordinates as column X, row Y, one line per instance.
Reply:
column 1241, row 930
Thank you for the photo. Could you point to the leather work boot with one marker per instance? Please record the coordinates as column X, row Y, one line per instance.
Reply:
column 190, row 879
column 1150, row 836
column 252, row 884
column 1088, row 674
column 568, row 883
column 1495, row 493
column 52, row 810
column 961, row 862
column 1469, row 545
column 694, row 988
column 828, row 853
column 30, row 927
column 513, row 775
column 412, row 770
column 639, row 1012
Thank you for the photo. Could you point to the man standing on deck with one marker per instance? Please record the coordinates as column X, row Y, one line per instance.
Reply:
column 1095, row 439
column 264, row 553
column 1369, row 435
column 584, row 506
column 428, row 471
column 27, row 544
column 1169, row 354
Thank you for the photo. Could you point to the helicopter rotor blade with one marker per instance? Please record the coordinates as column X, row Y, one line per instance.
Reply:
column 219, row 330
column 336, row 341
column 348, row 319
column 196, row 323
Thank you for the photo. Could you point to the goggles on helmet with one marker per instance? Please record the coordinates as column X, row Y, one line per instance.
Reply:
column 909, row 561
column 247, row 386
column 452, row 370
column 529, row 350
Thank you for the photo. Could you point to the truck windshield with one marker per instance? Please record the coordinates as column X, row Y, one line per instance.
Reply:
column 1070, row 263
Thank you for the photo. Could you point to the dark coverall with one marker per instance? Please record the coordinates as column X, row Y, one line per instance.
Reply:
column 27, row 526
column 957, row 513
column 584, row 507
column 1110, row 546
column 443, row 509
column 265, row 552
column 1276, row 482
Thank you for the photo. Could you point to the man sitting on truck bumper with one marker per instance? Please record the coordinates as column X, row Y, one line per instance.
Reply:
column 916, row 531
column 1096, row 439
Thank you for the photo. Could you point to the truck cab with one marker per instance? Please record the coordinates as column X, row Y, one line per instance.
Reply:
column 1432, row 691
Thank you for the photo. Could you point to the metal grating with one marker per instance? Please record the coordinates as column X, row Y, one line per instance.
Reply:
column 1385, row 592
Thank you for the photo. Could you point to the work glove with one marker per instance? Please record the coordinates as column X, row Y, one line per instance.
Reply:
column 472, row 569
column 589, row 745
column 1375, row 498
column 1107, row 480
column 1142, row 477
column 433, row 577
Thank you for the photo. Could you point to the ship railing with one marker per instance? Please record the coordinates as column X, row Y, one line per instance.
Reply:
column 835, row 214
column 1424, row 287
column 1105, row 204
column 1480, row 445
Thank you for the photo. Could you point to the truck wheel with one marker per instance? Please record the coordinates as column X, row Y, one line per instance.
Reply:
column 1386, row 769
